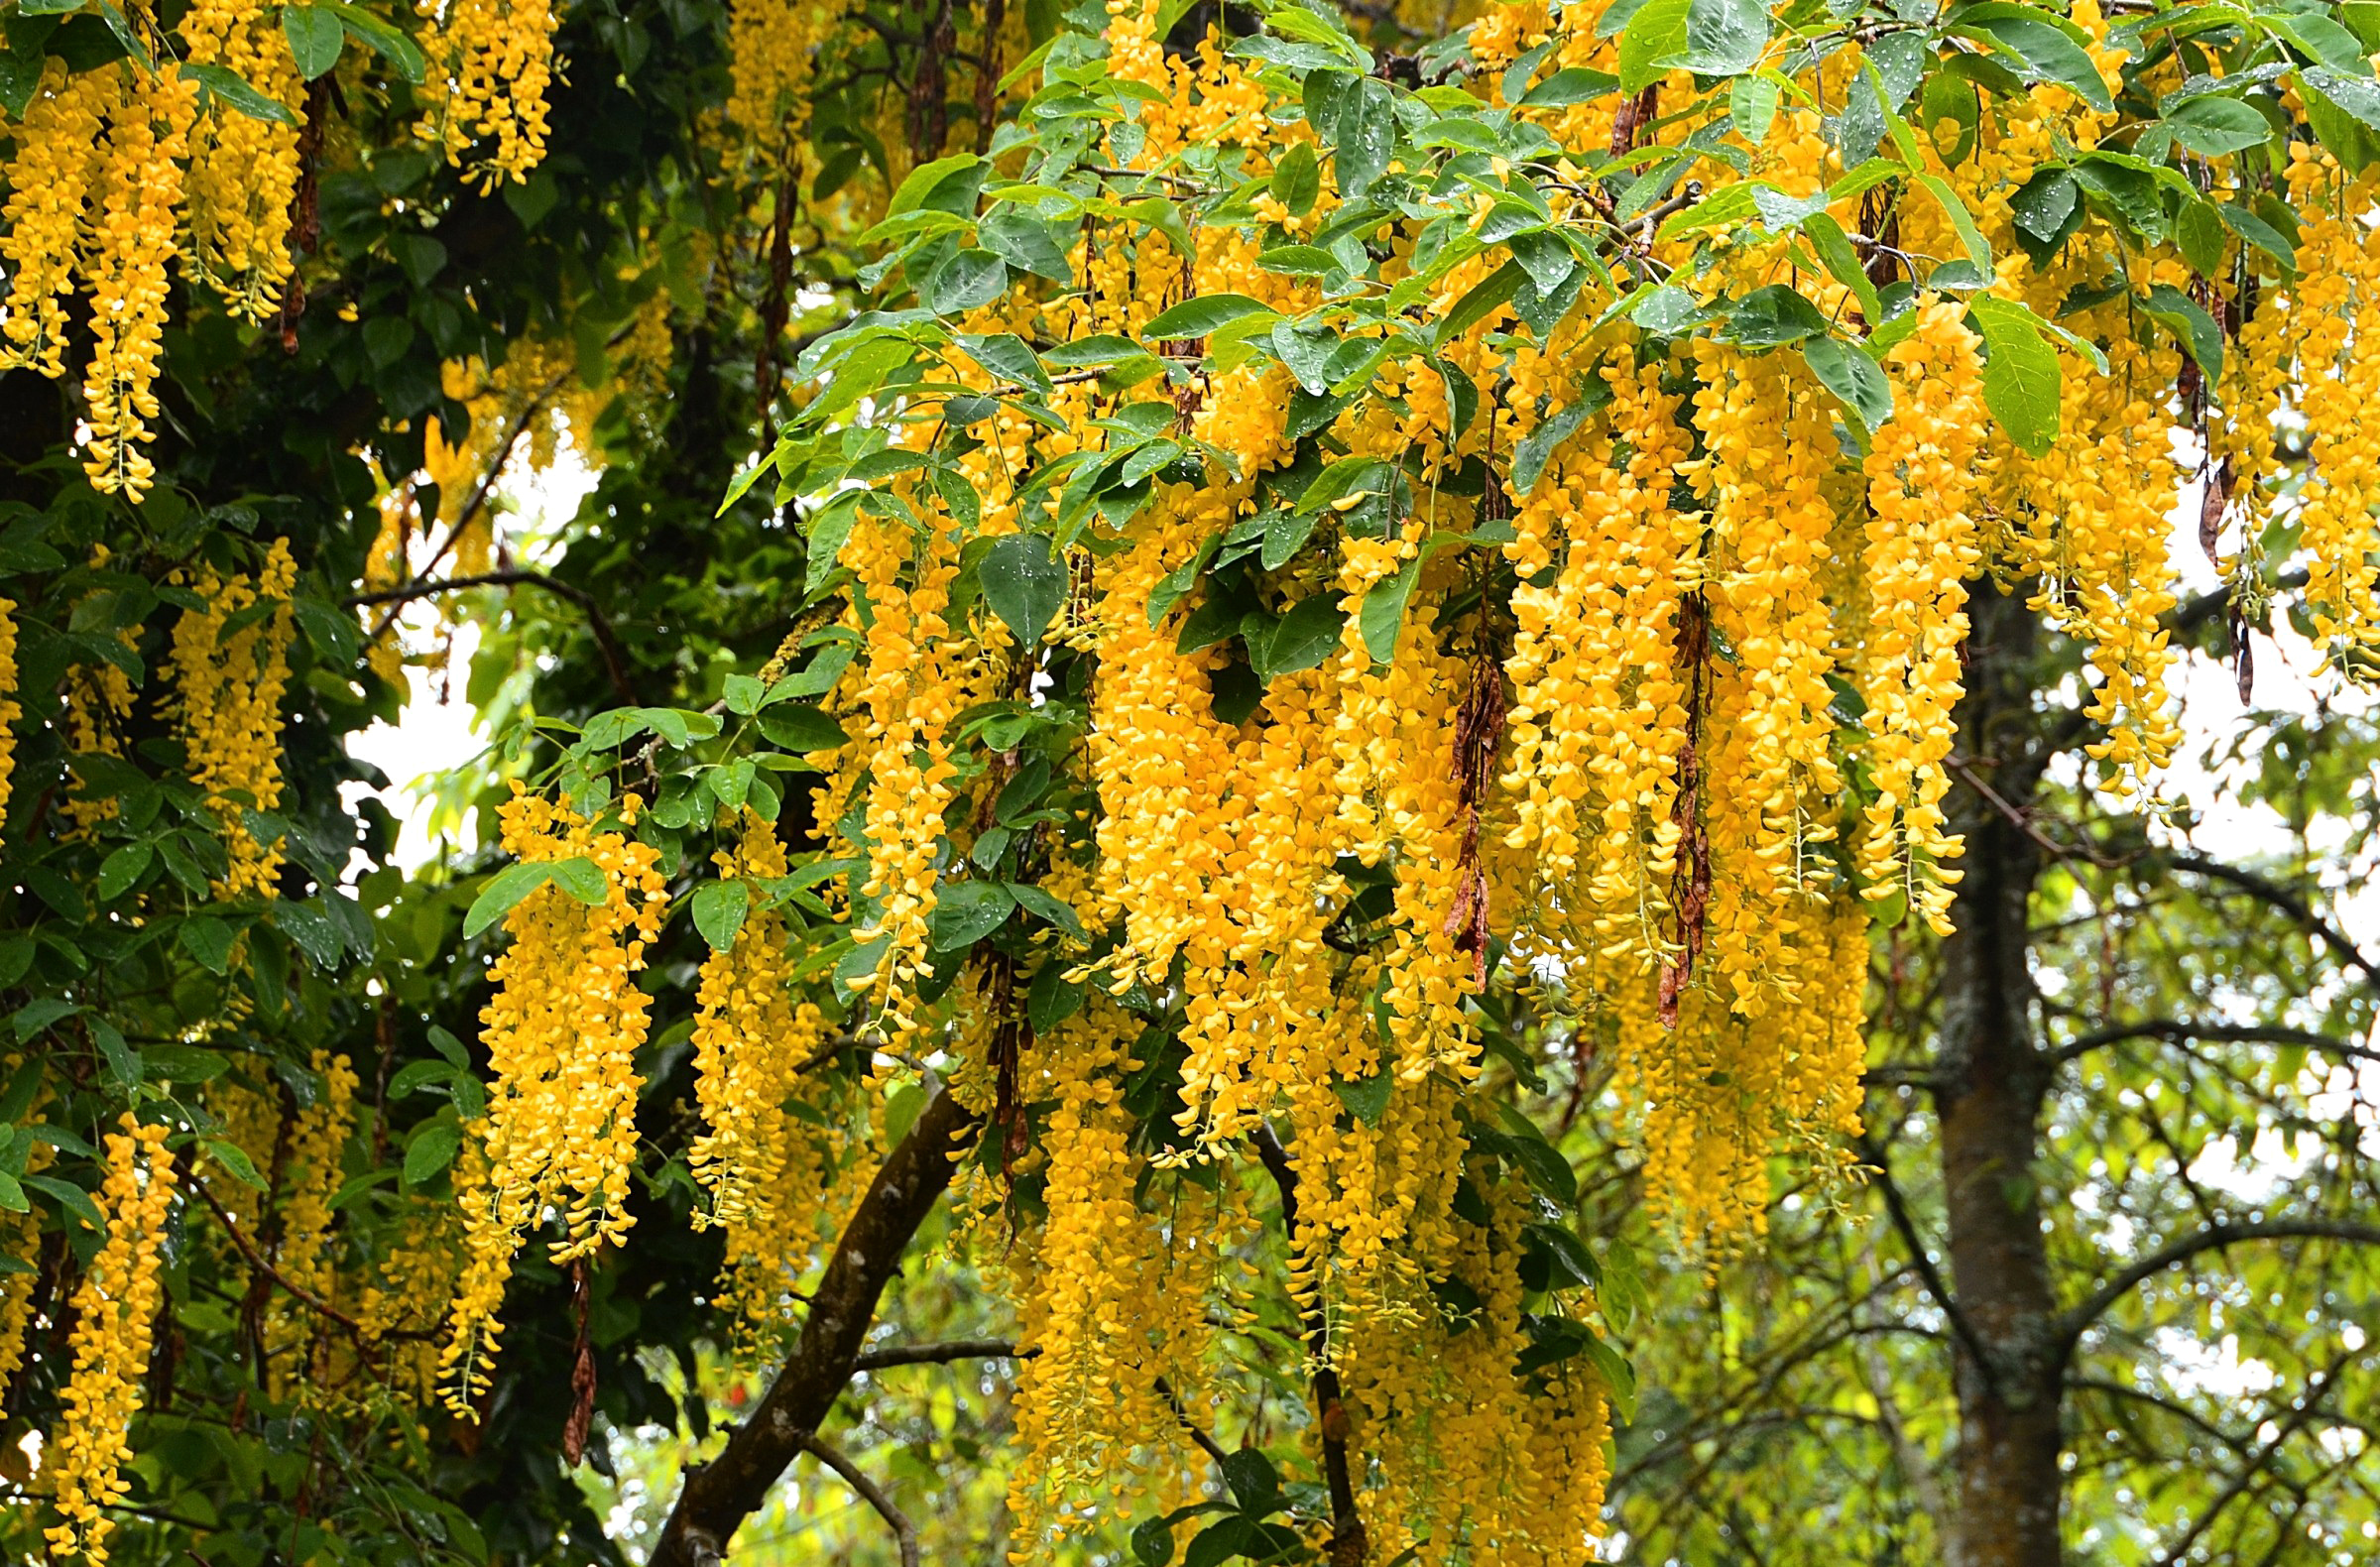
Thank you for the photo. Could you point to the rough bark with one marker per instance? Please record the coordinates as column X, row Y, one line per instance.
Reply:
column 719, row 1495
column 1991, row 1077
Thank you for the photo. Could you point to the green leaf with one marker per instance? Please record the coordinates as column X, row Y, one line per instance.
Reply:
column 1220, row 1542
column 1978, row 250
column 1724, row 38
column 1652, row 42
column 234, row 1159
column 1857, row 380
column 1254, row 1483
column 121, row 869
column 1482, row 301
column 2213, row 127
column 1306, row 636
column 1367, row 137
column 1024, row 583
column 968, row 281
column 925, row 179
column 1366, row 1098
column 1382, row 615
column 2022, row 379
column 1296, row 182
column 233, row 89
column 181, row 1063
column 504, row 890
column 802, row 730
column 2188, row 322
column 2257, row 232
column 967, row 911
column 1007, row 356
column 1285, row 533
column 1567, row 1252
column 315, row 38
column 1773, row 317
column 581, row 877
column 1152, row 1539
column 379, row 37
column 209, row 940
column 2050, row 48
column 69, row 1196
column 430, row 1150
column 1203, row 316
column 719, row 910
column 1046, row 906
column 12, row 1198
column 1536, row 450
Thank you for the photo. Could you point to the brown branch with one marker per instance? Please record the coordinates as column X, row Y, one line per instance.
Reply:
column 2071, row 1325
column 615, row 659
column 2178, row 1031
column 1923, row 1262
column 257, row 1263
column 719, row 1495
column 942, row 1353
column 902, row 1529
column 1198, row 1433
column 2271, row 893
column 2315, row 1391
column 1349, row 1547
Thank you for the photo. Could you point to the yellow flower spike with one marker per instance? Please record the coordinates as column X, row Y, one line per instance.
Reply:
column 115, row 1314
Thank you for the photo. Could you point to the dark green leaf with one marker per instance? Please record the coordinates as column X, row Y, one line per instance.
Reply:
column 432, row 1149
column 1024, row 583
column 315, row 38
column 505, row 890
column 967, row 911
column 719, row 909
column 233, row 89
column 1852, row 377
column 1306, row 636
column 1203, row 316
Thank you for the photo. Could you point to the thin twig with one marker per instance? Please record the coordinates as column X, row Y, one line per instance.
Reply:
column 857, row 1477
column 297, row 1291
column 942, row 1353
column 615, row 659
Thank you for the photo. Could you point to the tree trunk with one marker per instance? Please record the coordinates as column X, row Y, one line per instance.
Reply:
column 1990, row 1078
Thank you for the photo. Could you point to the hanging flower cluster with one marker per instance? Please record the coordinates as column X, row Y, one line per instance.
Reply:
column 115, row 1316
column 1329, row 601
column 563, row 1033
column 191, row 147
column 227, row 694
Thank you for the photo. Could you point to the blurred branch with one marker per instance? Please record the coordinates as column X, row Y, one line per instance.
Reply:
column 615, row 659
column 2280, row 898
column 942, row 1353
column 2214, row 1238
column 857, row 1477
column 2315, row 1391
column 1923, row 1262
column 2178, row 1031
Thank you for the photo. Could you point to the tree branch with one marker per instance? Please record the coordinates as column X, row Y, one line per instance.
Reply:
column 1350, row 1546
column 942, row 1353
column 2315, row 1391
column 719, row 1495
column 857, row 1477
column 1961, row 1329
column 2272, row 894
column 615, row 660
column 258, row 1263
column 2178, row 1031
column 2216, row 1237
